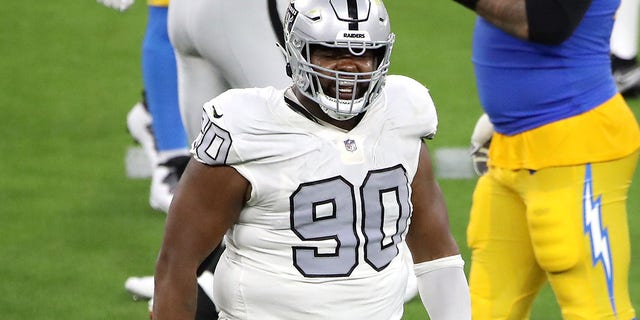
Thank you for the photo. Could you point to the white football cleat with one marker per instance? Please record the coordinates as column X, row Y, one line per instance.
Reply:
column 139, row 125
column 140, row 287
column 164, row 180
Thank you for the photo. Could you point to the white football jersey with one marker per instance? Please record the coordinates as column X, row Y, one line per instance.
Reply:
column 323, row 232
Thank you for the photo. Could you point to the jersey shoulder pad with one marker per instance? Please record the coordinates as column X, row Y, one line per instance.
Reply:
column 235, row 108
column 411, row 104
column 229, row 119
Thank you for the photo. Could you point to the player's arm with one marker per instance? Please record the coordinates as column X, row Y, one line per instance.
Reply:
column 207, row 202
column 439, row 268
column 544, row 21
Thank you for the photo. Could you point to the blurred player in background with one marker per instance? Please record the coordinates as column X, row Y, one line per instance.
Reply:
column 551, row 206
column 224, row 44
column 155, row 122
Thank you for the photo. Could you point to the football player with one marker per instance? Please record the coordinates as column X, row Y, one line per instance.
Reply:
column 224, row 44
column 318, row 188
column 244, row 54
column 551, row 206
column 155, row 122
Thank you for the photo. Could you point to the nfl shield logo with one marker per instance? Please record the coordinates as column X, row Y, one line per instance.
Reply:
column 350, row 145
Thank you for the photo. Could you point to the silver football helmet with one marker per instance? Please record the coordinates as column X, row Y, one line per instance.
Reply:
column 355, row 25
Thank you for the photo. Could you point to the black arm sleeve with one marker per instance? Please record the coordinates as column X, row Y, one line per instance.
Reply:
column 471, row 4
column 553, row 21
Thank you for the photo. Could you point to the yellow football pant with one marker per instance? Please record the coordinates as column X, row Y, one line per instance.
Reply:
column 566, row 225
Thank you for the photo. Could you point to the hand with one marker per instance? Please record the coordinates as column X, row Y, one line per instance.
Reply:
column 479, row 158
column 480, row 142
column 120, row 5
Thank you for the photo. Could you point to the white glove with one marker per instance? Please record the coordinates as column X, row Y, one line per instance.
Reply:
column 120, row 5
column 480, row 142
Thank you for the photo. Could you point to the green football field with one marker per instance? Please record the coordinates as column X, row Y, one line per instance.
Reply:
column 73, row 227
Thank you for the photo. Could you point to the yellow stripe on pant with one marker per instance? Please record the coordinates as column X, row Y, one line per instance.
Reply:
column 158, row 3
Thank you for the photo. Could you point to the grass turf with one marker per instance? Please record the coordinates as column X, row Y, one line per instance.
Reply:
column 73, row 227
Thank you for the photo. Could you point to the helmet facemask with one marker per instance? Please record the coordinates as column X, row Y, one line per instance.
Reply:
column 322, row 26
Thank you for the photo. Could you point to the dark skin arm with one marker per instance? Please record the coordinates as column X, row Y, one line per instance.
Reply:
column 508, row 15
column 207, row 202
column 429, row 236
column 549, row 22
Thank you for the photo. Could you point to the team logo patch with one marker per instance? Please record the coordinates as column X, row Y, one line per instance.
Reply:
column 350, row 145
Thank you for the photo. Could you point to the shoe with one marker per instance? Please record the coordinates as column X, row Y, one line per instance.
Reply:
column 626, row 73
column 627, row 80
column 140, row 287
column 139, row 126
column 164, row 180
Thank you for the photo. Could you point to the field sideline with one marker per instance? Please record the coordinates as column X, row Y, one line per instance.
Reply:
column 73, row 227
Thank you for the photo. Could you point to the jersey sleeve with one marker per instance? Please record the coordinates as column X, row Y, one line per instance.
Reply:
column 213, row 144
column 227, row 121
column 236, row 127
